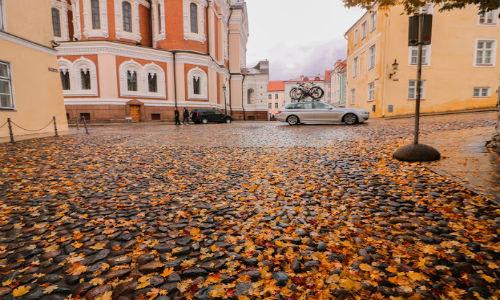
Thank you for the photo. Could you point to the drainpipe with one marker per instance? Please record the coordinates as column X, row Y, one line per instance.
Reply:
column 229, row 67
column 243, row 98
column 175, row 79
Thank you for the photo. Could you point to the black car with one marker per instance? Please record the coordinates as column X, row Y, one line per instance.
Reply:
column 208, row 115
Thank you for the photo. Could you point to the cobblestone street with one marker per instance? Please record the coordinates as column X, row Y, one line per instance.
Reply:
column 247, row 210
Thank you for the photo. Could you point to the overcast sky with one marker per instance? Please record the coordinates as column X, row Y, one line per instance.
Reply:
column 298, row 37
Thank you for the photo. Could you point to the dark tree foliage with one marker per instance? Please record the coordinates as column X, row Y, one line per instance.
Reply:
column 412, row 5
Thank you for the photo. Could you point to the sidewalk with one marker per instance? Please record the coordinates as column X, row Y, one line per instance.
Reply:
column 466, row 159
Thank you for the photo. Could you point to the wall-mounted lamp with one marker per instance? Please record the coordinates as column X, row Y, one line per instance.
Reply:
column 395, row 67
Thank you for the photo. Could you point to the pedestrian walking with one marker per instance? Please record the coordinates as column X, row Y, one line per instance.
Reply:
column 195, row 116
column 177, row 117
column 185, row 118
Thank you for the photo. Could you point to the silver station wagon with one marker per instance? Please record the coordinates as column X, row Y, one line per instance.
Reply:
column 315, row 112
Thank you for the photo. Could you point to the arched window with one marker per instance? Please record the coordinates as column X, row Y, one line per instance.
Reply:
column 56, row 22
column 152, row 82
column 96, row 15
column 65, row 79
column 250, row 96
column 197, row 84
column 127, row 16
column 193, row 16
column 132, row 81
column 85, row 79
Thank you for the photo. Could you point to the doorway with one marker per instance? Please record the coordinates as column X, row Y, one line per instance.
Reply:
column 135, row 113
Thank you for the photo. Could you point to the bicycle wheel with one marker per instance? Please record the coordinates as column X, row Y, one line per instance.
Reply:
column 316, row 93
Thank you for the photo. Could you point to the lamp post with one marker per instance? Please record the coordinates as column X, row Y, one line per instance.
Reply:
column 225, row 102
column 418, row 152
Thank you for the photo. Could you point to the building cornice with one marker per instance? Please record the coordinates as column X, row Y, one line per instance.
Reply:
column 25, row 42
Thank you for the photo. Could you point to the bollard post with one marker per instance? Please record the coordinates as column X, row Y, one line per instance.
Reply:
column 11, row 134
column 55, row 126
column 85, row 125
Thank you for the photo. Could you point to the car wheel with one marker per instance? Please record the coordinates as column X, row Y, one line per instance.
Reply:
column 350, row 119
column 228, row 121
column 204, row 121
column 293, row 120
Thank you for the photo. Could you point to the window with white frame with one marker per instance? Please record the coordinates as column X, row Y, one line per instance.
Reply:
column 488, row 17
column 60, row 20
column 132, row 81
column 355, row 67
column 1, row 15
column 373, row 21
column 56, row 22
column 94, row 16
column 155, row 77
column 158, row 19
column 270, row 96
column 250, row 96
column 78, row 78
column 412, row 89
column 371, row 91
column 355, row 36
column 363, row 30
column 276, row 105
column 127, row 19
column 197, row 84
column 194, row 20
column 353, row 96
column 6, row 100
column 484, row 52
column 159, row 14
column 65, row 79
column 276, row 96
column 371, row 57
column 269, row 105
column 413, row 55
column 481, row 92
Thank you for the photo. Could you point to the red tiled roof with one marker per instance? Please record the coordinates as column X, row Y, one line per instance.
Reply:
column 276, row 86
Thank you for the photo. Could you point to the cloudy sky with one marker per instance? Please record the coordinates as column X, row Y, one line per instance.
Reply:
column 298, row 36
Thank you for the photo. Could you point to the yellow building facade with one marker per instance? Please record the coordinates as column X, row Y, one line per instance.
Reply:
column 460, row 70
column 30, row 86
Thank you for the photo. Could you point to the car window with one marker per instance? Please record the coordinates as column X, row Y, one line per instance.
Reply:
column 304, row 105
column 291, row 106
column 320, row 105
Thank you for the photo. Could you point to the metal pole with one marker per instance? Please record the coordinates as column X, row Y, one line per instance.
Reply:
column 419, row 78
column 55, row 126
column 225, row 102
column 85, row 125
column 11, row 133
column 77, row 124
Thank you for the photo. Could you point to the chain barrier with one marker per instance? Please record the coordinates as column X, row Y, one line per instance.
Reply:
column 11, row 123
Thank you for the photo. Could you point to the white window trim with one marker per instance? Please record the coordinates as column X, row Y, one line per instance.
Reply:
column 11, row 87
column 480, row 90
column 373, row 21
column 422, row 96
column 88, row 31
column 142, row 80
column 188, row 35
column 63, row 8
column 135, row 35
column 493, row 54
column 364, row 29
column 159, row 35
column 160, row 80
column 75, row 78
column 77, row 30
column 427, row 59
column 370, row 65
column 2, row 16
column 495, row 18
column 355, row 67
column 352, row 96
column 371, row 89
column 355, row 37
column 203, row 84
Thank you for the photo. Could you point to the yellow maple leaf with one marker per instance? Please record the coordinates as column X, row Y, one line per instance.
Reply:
column 143, row 282
column 217, row 291
column 167, row 272
column 98, row 246
column 414, row 276
column 77, row 269
column 392, row 269
column 7, row 282
column 488, row 278
column 365, row 267
column 77, row 245
column 21, row 291
column 188, row 263
column 106, row 296
column 96, row 281
column 349, row 284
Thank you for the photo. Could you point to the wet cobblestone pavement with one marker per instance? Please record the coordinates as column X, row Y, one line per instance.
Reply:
column 247, row 210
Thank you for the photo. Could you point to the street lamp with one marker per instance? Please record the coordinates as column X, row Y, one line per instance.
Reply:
column 395, row 67
column 418, row 152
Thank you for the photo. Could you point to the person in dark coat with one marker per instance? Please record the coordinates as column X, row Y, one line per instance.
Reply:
column 177, row 117
column 195, row 116
column 185, row 117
